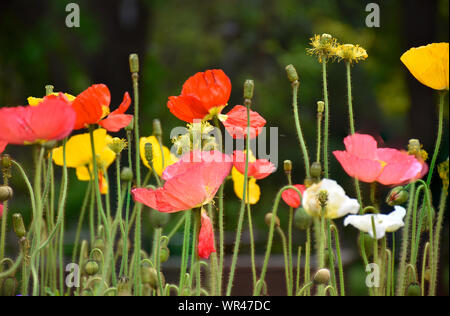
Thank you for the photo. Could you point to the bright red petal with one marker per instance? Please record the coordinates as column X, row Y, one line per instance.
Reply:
column 2, row 146
column 187, row 108
column 236, row 122
column 123, row 107
column 89, row 105
column 259, row 169
column 212, row 88
column 115, row 123
column 292, row 198
column 206, row 237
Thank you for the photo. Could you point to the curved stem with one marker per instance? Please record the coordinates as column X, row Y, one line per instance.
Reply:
column 286, row 261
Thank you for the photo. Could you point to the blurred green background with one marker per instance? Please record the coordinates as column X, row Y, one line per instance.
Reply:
column 247, row 39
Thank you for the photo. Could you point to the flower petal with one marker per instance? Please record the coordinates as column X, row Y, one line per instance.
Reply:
column 89, row 105
column 291, row 197
column 206, row 237
column 236, row 122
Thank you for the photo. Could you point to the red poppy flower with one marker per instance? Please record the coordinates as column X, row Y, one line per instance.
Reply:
column 206, row 237
column 257, row 168
column 205, row 93
column 191, row 182
column 291, row 197
column 2, row 146
column 364, row 161
column 235, row 122
column 92, row 106
column 52, row 119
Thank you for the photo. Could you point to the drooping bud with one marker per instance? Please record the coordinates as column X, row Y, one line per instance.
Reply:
column 292, row 73
column 302, row 220
column 126, row 175
column 149, row 275
column 159, row 219
column 316, row 170
column 397, row 196
column 6, row 193
column 268, row 220
column 91, row 267
column 157, row 129
column 287, row 165
column 18, row 225
column 249, row 87
column 443, row 174
column 8, row 287
column 426, row 215
column 413, row 290
column 5, row 162
column 134, row 63
column 149, row 153
column 124, row 287
column 322, row 276
column 164, row 254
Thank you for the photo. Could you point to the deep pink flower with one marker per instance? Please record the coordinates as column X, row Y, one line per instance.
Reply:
column 364, row 161
column 2, row 146
column 291, row 197
column 52, row 119
column 191, row 182
column 206, row 237
column 1, row 210
column 235, row 122
column 257, row 168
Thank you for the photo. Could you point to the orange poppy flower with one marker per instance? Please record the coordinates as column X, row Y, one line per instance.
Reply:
column 203, row 96
column 92, row 107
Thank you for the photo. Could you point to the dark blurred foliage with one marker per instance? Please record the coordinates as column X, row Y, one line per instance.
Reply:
column 247, row 39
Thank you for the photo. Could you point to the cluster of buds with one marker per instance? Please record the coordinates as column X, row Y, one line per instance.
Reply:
column 198, row 136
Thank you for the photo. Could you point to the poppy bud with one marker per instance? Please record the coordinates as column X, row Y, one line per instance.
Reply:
column 164, row 254
column 268, row 220
column 148, row 275
column 8, row 287
column 157, row 129
column 159, row 219
column 316, row 170
column 149, row 153
column 287, row 166
column 249, row 87
column 5, row 162
column 292, row 73
column 322, row 276
column 320, row 107
column 302, row 220
column 124, row 287
column 91, row 267
column 397, row 196
column 126, row 175
column 413, row 290
column 134, row 63
column 425, row 222
column 19, row 227
column 5, row 193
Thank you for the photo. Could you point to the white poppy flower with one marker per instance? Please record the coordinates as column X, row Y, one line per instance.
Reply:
column 383, row 223
column 338, row 204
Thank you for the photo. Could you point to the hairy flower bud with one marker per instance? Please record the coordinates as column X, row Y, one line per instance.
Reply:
column 322, row 276
column 164, row 254
column 91, row 267
column 149, row 153
column 302, row 220
column 6, row 193
column 126, row 175
column 292, row 73
column 268, row 220
column 18, row 225
column 316, row 170
column 397, row 196
column 159, row 219
column 413, row 290
column 8, row 286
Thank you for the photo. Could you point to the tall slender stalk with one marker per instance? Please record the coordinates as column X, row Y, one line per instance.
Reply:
column 327, row 119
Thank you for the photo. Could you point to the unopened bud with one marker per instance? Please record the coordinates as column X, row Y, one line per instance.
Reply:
column 164, row 254
column 316, row 170
column 134, row 63
column 249, row 87
column 149, row 152
column 302, row 220
column 292, row 73
column 18, row 225
column 287, row 164
column 413, row 290
column 159, row 219
column 91, row 267
column 126, row 175
column 397, row 196
column 268, row 220
column 157, row 129
column 124, row 287
column 6, row 193
column 5, row 162
column 322, row 276
column 320, row 107
column 8, row 287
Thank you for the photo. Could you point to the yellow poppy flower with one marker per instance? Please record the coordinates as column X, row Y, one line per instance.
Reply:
column 79, row 156
column 32, row 101
column 429, row 64
column 158, row 155
column 238, row 182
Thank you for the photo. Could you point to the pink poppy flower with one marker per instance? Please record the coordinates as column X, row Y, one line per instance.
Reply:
column 191, row 182
column 52, row 119
column 2, row 146
column 364, row 161
column 291, row 197
column 257, row 168
column 235, row 122
column 206, row 237
column 1, row 210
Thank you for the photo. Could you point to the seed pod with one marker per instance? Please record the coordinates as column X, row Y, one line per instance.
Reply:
column 91, row 267
column 268, row 220
column 287, row 165
column 134, row 63
column 6, row 193
column 159, row 219
column 302, row 220
column 157, row 129
column 413, row 290
column 316, row 170
column 18, row 225
column 322, row 276
column 249, row 87
column 292, row 73
column 126, row 175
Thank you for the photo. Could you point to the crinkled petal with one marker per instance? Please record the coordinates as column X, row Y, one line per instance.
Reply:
column 235, row 122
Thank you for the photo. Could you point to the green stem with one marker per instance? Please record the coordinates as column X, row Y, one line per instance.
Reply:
column 437, row 236
column 252, row 240
column 286, row 261
column 327, row 118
